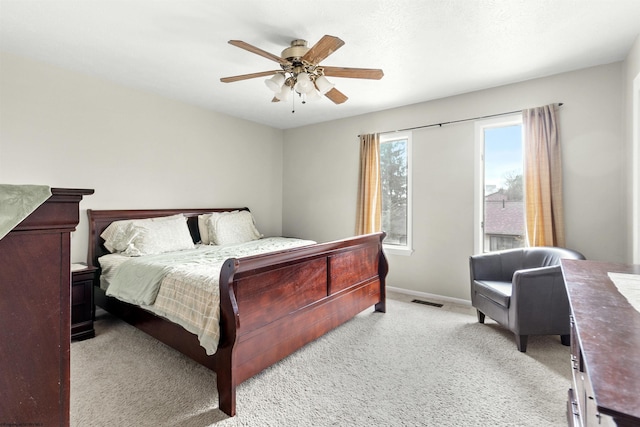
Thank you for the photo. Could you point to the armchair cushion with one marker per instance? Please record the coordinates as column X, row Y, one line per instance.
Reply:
column 498, row 292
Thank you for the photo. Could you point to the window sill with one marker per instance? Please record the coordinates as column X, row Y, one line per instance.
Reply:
column 397, row 250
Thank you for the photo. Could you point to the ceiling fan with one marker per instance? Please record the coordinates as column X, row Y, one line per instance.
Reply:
column 301, row 71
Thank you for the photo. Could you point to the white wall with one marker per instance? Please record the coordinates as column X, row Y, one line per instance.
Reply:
column 321, row 167
column 632, row 127
column 137, row 150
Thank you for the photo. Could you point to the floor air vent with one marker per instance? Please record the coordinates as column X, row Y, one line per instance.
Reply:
column 433, row 304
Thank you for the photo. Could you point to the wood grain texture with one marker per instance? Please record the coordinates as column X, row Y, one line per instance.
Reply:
column 336, row 96
column 607, row 330
column 248, row 76
column 253, row 49
column 322, row 49
column 353, row 73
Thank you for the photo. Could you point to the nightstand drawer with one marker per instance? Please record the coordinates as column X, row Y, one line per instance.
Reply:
column 79, row 294
column 82, row 308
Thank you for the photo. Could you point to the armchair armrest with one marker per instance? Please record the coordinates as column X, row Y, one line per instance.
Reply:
column 538, row 301
column 532, row 284
column 532, row 273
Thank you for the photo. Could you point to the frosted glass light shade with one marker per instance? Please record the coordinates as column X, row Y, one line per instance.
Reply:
column 283, row 94
column 324, row 85
column 303, row 83
column 312, row 95
column 275, row 82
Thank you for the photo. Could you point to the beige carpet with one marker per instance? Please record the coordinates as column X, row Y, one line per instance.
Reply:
column 416, row 365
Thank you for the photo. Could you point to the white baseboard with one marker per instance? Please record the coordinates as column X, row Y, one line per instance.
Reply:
column 425, row 295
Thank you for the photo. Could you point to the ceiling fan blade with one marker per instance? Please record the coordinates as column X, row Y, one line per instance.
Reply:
column 353, row 73
column 248, row 76
column 336, row 96
column 258, row 51
column 275, row 99
column 325, row 47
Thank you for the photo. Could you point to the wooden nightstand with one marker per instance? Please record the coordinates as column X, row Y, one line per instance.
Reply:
column 82, row 307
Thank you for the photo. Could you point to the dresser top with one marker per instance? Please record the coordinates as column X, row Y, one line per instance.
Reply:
column 58, row 213
column 609, row 333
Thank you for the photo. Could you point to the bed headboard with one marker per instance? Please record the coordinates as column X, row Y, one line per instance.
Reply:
column 100, row 219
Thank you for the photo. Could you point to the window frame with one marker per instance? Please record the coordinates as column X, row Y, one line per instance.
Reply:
column 479, row 172
column 406, row 249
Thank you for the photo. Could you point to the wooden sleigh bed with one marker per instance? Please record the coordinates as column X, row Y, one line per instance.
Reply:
column 270, row 305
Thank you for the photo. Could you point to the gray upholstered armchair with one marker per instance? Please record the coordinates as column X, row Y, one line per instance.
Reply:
column 523, row 290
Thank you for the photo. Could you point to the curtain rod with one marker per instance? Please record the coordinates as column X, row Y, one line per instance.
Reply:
column 458, row 121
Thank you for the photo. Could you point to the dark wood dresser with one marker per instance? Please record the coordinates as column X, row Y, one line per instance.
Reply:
column 35, row 279
column 605, row 347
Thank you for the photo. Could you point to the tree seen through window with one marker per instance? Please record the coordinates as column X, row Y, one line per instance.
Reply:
column 394, row 169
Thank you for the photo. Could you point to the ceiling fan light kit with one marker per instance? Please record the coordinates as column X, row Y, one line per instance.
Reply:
column 300, row 72
column 275, row 83
column 323, row 85
column 283, row 94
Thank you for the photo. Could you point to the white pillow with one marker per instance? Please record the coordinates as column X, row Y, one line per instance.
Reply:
column 203, row 229
column 232, row 227
column 116, row 235
column 156, row 237
column 203, row 226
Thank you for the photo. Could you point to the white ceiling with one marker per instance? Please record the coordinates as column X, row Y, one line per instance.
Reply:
column 428, row 49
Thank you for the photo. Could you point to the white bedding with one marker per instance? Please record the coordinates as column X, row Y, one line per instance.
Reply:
column 186, row 290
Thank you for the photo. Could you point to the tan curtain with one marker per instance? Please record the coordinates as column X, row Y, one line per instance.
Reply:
column 543, row 177
column 369, row 208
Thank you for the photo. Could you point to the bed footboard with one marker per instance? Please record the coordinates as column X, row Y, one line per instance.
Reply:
column 272, row 305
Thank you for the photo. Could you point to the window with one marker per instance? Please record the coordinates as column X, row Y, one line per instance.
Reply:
column 499, row 190
column 395, row 169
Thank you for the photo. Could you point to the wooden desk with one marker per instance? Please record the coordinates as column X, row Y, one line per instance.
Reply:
column 605, row 346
